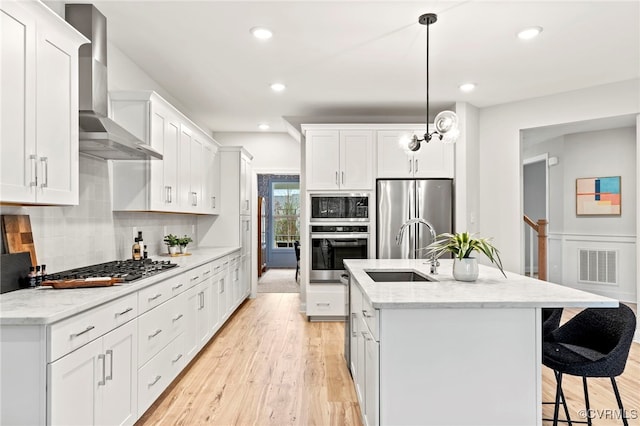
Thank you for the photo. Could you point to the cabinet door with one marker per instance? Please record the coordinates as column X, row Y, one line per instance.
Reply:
column 322, row 149
column 203, row 314
column 356, row 159
column 394, row 158
column 196, row 173
column 75, row 383
column 190, row 333
column 434, row 160
column 245, row 185
column 215, row 179
column 211, row 180
column 57, row 118
column 17, row 104
column 360, row 364
column 372, row 375
column 184, row 174
column 165, row 138
column 120, row 392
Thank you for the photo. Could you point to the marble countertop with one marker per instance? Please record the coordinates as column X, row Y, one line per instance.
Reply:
column 45, row 305
column 491, row 290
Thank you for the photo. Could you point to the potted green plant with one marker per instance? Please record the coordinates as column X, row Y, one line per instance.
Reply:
column 173, row 242
column 183, row 242
column 461, row 246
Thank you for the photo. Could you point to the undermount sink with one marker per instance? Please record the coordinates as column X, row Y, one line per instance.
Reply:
column 396, row 276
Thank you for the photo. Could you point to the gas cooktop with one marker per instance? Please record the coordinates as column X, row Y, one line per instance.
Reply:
column 129, row 270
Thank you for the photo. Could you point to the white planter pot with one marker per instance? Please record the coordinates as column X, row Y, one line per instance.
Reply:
column 465, row 269
column 183, row 249
column 173, row 249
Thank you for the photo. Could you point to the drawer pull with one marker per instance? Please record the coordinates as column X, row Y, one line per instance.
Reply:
column 104, row 367
column 124, row 312
column 110, row 353
column 195, row 278
column 154, row 381
column 323, row 304
column 175, row 287
column 86, row 330
column 158, row 331
column 366, row 314
column 177, row 318
column 152, row 298
column 206, row 272
column 173, row 361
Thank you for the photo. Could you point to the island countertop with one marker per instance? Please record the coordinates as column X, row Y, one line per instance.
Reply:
column 490, row 290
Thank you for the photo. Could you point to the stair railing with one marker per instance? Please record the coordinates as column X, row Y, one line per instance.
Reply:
column 540, row 229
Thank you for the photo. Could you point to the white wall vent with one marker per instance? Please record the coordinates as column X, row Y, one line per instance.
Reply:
column 598, row 266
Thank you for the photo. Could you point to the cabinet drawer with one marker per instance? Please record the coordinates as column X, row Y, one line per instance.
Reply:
column 159, row 326
column 155, row 295
column 155, row 376
column 371, row 317
column 198, row 274
column 72, row 333
column 326, row 303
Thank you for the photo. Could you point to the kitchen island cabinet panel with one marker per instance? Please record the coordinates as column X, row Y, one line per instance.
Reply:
column 39, row 106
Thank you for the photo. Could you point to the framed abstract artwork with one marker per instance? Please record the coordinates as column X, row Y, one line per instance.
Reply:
column 598, row 196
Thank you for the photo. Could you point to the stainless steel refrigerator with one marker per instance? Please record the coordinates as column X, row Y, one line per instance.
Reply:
column 402, row 199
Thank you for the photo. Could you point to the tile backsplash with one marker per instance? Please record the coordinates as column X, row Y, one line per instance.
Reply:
column 72, row 236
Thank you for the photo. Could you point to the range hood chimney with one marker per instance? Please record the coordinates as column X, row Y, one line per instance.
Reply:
column 99, row 135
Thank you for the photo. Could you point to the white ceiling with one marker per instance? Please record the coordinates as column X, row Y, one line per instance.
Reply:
column 363, row 59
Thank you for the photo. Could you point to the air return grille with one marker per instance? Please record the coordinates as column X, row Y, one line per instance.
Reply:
column 597, row 266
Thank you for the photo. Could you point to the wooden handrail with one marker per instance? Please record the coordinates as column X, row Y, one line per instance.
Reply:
column 541, row 230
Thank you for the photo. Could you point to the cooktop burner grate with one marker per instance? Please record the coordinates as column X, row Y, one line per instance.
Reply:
column 129, row 270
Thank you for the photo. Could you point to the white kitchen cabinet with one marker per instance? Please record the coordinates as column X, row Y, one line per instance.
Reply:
column 433, row 160
column 339, row 159
column 38, row 105
column 177, row 183
column 199, row 319
column 245, row 185
column 371, row 378
column 326, row 300
column 211, row 185
column 96, row 384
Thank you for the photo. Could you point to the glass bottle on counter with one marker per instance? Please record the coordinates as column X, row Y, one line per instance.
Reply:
column 135, row 250
column 31, row 278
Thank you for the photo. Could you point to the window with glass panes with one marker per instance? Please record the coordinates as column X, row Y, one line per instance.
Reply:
column 285, row 202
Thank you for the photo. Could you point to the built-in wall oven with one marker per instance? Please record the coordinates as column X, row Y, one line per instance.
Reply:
column 331, row 244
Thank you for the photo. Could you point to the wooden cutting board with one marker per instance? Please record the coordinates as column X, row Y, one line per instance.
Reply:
column 18, row 237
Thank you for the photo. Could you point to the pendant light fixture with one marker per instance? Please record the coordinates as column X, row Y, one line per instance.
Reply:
column 446, row 122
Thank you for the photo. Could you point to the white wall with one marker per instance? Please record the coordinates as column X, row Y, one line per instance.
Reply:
column 272, row 152
column 500, row 188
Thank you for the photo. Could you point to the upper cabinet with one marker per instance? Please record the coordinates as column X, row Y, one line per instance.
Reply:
column 38, row 105
column 433, row 160
column 186, row 180
column 339, row 159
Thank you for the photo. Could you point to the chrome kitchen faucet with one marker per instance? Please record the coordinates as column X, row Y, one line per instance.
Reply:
column 432, row 230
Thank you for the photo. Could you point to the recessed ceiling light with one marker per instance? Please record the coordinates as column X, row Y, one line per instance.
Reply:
column 263, row 126
column 278, row 87
column 529, row 33
column 467, row 87
column 261, row 33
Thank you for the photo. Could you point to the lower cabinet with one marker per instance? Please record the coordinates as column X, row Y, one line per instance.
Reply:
column 96, row 384
column 326, row 300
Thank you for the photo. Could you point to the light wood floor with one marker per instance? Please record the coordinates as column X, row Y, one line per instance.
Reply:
column 270, row 366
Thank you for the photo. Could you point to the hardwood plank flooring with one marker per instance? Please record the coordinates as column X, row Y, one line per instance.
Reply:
column 270, row 366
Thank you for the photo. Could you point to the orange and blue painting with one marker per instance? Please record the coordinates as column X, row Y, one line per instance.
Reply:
column 598, row 196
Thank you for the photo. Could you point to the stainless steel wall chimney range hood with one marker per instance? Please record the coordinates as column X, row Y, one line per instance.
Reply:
column 99, row 135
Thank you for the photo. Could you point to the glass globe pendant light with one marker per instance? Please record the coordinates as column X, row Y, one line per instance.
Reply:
column 446, row 122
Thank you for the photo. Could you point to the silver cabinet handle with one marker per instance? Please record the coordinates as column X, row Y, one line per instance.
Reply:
column 171, row 194
column 336, row 178
column 166, row 194
column 207, row 272
column 354, row 333
column 194, row 199
column 221, row 286
column 173, row 361
column 410, row 165
column 343, row 177
column 152, row 298
column 110, row 353
column 175, row 287
column 177, row 318
column 86, row 330
column 201, row 296
column 416, row 160
column 154, row 381
column 45, row 167
column 194, row 278
column 323, row 304
column 34, row 170
column 366, row 314
column 124, row 312
column 213, row 202
column 155, row 333
column 101, row 358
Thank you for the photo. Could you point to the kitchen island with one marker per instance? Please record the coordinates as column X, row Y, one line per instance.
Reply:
column 445, row 352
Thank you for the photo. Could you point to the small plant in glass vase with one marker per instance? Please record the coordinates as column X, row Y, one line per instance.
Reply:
column 461, row 246
column 183, row 242
column 173, row 243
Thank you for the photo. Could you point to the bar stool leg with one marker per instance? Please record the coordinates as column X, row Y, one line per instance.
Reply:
column 558, row 392
column 615, row 390
column 586, row 400
column 566, row 408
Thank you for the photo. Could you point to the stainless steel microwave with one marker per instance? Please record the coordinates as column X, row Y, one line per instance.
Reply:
column 339, row 207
